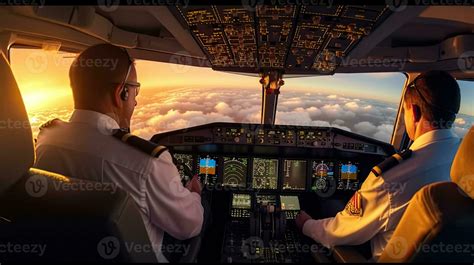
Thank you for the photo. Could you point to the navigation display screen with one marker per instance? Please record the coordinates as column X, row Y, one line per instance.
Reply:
column 294, row 175
column 235, row 172
column 266, row 199
column 241, row 201
column 265, row 173
column 290, row 203
column 184, row 160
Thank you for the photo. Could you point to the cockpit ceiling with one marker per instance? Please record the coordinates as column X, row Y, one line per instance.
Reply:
column 293, row 39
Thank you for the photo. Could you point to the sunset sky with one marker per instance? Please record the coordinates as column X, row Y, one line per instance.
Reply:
column 44, row 83
column 49, row 71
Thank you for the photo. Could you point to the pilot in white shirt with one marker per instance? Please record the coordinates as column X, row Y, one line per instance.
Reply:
column 431, row 103
column 85, row 148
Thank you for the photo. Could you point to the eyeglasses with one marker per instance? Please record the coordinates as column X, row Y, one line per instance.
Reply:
column 137, row 86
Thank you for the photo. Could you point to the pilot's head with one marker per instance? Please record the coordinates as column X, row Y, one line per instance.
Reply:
column 103, row 78
column 431, row 102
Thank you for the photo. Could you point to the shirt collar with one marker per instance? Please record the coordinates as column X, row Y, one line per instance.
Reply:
column 104, row 123
column 432, row 136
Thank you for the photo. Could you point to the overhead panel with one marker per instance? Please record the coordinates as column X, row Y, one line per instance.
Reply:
column 294, row 39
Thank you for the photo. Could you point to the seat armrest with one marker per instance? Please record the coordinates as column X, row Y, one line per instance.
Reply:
column 348, row 254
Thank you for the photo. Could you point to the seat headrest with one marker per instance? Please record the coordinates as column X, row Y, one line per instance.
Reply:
column 462, row 170
column 16, row 142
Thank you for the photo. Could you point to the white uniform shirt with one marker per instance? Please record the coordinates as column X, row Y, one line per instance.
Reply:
column 384, row 199
column 84, row 148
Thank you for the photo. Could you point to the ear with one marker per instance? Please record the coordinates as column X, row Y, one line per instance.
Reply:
column 416, row 112
column 117, row 100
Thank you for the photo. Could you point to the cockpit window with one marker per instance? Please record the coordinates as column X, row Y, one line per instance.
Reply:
column 176, row 96
column 43, row 78
column 366, row 104
column 465, row 118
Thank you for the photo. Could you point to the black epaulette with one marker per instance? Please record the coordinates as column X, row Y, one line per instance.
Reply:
column 50, row 123
column 144, row 145
column 391, row 162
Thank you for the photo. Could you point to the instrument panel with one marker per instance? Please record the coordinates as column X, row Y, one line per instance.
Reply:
column 255, row 157
column 256, row 173
column 258, row 177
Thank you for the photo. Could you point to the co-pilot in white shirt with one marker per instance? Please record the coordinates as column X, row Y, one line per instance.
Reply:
column 383, row 199
column 84, row 148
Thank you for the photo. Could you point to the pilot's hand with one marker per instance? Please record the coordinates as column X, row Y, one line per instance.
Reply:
column 301, row 219
column 194, row 185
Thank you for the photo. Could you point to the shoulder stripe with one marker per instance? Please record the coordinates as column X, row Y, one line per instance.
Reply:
column 143, row 145
column 398, row 157
column 158, row 150
column 125, row 137
column 391, row 162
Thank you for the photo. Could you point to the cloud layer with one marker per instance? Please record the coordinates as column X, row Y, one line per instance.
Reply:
column 165, row 110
